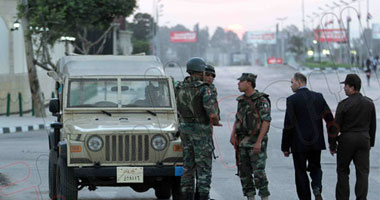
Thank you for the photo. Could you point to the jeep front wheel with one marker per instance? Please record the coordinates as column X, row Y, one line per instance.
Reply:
column 67, row 184
column 176, row 188
column 163, row 191
column 52, row 173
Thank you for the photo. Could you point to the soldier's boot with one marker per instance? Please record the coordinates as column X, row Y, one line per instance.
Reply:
column 203, row 196
column 251, row 198
column 187, row 196
column 265, row 198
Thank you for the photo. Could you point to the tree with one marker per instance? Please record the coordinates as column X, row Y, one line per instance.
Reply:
column 142, row 28
column 227, row 42
column 203, row 41
column 296, row 45
column 50, row 20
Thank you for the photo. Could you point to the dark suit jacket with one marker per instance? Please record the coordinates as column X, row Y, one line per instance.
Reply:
column 303, row 127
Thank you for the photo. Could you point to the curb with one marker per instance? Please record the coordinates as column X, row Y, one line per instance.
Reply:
column 329, row 69
column 18, row 129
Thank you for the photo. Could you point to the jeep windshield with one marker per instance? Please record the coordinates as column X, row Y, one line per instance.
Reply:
column 145, row 93
column 104, row 93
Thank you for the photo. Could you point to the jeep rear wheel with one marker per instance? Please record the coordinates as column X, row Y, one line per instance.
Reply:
column 67, row 184
column 52, row 173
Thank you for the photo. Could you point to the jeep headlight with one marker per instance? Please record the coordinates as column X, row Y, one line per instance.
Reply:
column 95, row 143
column 159, row 142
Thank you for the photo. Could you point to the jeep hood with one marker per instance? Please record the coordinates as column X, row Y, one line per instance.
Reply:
column 122, row 124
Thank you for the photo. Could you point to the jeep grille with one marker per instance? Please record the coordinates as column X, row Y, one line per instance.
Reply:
column 127, row 147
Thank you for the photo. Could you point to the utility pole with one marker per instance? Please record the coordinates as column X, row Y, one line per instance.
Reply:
column 303, row 15
column 367, row 14
column 319, row 43
column 35, row 89
column 303, row 33
column 281, row 37
column 278, row 41
column 348, row 40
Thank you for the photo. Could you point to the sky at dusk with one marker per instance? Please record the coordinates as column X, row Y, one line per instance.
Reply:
column 255, row 15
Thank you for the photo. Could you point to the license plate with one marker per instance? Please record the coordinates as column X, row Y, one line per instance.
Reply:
column 130, row 175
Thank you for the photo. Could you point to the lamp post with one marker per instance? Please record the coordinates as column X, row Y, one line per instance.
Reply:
column 282, row 48
column 157, row 12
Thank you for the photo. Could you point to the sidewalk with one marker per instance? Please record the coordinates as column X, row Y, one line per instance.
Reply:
column 16, row 124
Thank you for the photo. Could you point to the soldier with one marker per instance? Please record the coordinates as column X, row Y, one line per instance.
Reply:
column 197, row 111
column 209, row 79
column 249, row 136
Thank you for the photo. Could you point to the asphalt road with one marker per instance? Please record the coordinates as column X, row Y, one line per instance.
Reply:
column 24, row 156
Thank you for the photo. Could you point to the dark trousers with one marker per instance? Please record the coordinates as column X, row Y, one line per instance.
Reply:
column 353, row 146
column 303, row 162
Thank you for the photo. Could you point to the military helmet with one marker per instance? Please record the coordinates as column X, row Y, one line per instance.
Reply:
column 210, row 69
column 195, row 64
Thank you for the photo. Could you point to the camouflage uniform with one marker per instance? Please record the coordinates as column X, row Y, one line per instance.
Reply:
column 195, row 104
column 252, row 111
column 214, row 93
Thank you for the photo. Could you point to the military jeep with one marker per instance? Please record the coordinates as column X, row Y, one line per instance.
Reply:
column 116, row 125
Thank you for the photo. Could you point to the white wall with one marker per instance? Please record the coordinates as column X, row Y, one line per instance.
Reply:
column 19, row 52
column 4, row 48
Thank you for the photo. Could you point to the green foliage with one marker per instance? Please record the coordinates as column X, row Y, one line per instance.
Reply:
column 325, row 64
column 296, row 45
column 71, row 17
column 142, row 26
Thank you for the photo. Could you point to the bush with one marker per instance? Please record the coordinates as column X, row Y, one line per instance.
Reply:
column 325, row 64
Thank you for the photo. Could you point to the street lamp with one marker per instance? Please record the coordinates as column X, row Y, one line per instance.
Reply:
column 15, row 25
column 282, row 19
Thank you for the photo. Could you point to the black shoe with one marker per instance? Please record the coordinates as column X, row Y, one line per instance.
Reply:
column 318, row 197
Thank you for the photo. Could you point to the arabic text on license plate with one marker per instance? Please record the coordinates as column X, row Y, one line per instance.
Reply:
column 130, row 175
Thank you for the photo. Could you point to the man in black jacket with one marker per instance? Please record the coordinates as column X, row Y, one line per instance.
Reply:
column 303, row 135
column 356, row 117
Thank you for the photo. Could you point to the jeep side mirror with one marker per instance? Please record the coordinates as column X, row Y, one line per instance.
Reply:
column 54, row 106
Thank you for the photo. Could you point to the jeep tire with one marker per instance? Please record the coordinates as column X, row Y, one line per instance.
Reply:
column 66, row 183
column 176, row 188
column 52, row 173
column 162, row 191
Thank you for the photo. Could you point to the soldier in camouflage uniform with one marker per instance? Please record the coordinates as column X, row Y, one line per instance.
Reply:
column 209, row 79
column 249, row 135
column 197, row 111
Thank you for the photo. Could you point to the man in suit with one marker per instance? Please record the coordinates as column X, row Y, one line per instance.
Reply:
column 303, row 135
